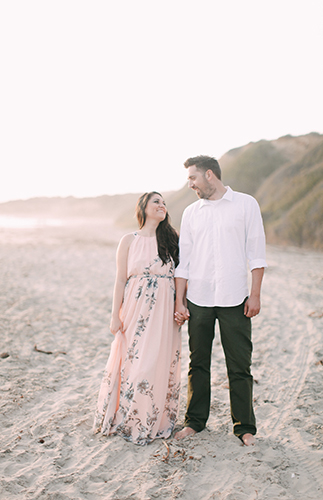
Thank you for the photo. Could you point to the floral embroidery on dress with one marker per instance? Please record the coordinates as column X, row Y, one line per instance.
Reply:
column 132, row 354
column 130, row 420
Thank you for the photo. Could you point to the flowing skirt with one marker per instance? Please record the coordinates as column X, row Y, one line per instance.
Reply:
column 139, row 394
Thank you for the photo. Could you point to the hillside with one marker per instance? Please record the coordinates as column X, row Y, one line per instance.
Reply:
column 291, row 201
column 248, row 167
column 285, row 175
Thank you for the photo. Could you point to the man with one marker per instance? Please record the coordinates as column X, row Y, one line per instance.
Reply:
column 220, row 234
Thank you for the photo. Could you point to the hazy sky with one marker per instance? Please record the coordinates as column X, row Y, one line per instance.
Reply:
column 104, row 97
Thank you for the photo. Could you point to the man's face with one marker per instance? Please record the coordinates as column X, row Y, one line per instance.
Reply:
column 198, row 182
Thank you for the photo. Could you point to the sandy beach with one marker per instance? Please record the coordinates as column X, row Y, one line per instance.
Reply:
column 56, row 288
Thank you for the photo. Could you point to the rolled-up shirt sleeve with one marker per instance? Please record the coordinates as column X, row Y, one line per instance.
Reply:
column 255, row 237
column 185, row 248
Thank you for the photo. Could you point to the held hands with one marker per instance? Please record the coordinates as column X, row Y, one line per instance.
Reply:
column 116, row 325
column 252, row 306
column 181, row 314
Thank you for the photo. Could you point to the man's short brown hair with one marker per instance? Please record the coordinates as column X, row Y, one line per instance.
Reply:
column 204, row 163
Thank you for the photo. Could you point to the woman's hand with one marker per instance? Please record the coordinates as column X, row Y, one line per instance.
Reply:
column 116, row 325
column 181, row 314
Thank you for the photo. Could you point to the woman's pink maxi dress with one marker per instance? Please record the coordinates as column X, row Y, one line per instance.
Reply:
column 139, row 394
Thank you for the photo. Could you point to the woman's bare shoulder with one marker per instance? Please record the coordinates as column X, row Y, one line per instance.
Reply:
column 126, row 240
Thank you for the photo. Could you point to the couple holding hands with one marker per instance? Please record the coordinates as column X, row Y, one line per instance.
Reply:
column 161, row 282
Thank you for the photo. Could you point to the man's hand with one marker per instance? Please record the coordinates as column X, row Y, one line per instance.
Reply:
column 252, row 306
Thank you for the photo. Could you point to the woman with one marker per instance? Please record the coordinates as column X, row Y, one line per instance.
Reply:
column 139, row 394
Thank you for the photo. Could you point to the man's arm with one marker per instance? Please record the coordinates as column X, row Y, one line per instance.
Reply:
column 252, row 305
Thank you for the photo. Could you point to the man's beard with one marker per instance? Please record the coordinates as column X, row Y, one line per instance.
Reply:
column 204, row 194
column 201, row 194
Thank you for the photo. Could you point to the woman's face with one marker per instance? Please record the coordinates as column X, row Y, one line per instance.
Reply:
column 156, row 208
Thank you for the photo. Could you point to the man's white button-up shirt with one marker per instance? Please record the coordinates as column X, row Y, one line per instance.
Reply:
column 217, row 240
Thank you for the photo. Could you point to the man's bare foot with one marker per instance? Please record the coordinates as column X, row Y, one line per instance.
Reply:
column 248, row 439
column 187, row 431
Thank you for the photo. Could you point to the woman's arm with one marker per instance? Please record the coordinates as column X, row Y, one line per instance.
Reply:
column 181, row 311
column 120, row 282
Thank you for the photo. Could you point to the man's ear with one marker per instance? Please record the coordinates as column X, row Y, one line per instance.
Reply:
column 208, row 174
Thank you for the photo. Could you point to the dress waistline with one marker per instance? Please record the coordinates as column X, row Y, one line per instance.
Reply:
column 148, row 275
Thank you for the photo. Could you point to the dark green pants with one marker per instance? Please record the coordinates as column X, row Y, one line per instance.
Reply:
column 235, row 331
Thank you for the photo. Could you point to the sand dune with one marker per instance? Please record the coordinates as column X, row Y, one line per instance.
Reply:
column 56, row 289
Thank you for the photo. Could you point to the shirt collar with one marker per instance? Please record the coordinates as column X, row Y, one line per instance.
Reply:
column 228, row 195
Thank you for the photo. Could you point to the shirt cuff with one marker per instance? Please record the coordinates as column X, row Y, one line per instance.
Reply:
column 257, row 263
column 181, row 273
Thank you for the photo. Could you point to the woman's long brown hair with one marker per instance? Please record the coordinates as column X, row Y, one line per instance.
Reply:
column 167, row 237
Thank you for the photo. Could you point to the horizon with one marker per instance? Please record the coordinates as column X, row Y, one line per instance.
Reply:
column 164, row 192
